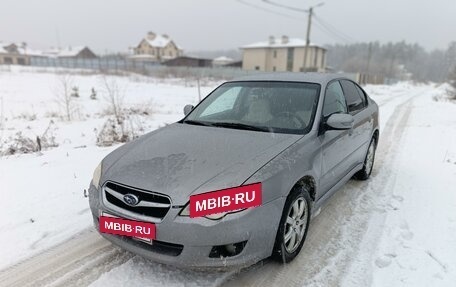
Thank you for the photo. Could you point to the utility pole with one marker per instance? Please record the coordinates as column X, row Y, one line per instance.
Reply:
column 309, row 24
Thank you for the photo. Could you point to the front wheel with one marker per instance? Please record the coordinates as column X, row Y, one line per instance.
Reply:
column 293, row 226
column 364, row 173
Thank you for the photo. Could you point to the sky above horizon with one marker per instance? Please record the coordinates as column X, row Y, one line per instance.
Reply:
column 115, row 25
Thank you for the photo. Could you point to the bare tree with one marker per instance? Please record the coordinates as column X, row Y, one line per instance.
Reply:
column 63, row 95
column 114, row 129
column 1, row 114
column 452, row 80
column 115, row 98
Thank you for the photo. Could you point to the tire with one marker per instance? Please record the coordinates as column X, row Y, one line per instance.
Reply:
column 296, row 226
column 368, row 165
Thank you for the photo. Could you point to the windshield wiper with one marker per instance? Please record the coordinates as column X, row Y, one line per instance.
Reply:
column 198, row 123
column 240, row 126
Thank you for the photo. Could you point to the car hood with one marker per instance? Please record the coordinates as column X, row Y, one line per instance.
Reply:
column 181, row 159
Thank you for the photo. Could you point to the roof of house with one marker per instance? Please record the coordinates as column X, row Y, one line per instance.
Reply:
column 65, row 52
column 22, row 49
column 31, row 52
column 223, row 59
column 3, row 46
column 160, row 41
column 70, row 51
column 278, row 43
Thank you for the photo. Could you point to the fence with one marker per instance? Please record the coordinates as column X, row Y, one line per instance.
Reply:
column 142, row 67
column 118, row 65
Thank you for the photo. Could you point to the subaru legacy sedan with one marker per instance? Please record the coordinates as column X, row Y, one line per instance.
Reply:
column 237, row 179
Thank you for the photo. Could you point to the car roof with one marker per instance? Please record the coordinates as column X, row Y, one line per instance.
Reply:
column 320, row 78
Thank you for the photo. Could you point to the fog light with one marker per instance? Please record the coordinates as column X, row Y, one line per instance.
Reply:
column 227, row 250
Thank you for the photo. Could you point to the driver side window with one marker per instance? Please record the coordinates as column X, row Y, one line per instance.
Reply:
column 334, row 100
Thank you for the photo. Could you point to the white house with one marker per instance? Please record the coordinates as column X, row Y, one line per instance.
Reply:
column 283, row 54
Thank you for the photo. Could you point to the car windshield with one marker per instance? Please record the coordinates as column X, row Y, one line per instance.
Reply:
column 282, row 107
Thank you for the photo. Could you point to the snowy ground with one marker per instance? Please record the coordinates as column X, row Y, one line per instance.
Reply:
column 397, row 229
column 47, row 187
column 418, row 243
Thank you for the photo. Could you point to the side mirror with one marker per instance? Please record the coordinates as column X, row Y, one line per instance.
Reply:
column 188, row 109
column 339, row 122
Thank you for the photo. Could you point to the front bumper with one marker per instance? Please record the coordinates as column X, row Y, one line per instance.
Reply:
column 187, row 242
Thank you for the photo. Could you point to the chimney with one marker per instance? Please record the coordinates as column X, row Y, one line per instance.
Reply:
column 151, row 36
column 285, row 39
column 271, row 40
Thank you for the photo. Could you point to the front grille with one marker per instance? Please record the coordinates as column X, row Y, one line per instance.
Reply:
column 166, row 248
column 161, row 247
column 150, row 204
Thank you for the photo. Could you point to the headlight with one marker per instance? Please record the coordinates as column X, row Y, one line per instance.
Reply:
column 216, row 216
column 186, row 210
column 97, row 176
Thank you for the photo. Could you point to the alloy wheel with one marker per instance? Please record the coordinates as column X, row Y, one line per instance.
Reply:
column 295, row 224
column 370, row 158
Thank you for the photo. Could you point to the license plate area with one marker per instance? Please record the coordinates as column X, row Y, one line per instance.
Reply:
column 137, row 230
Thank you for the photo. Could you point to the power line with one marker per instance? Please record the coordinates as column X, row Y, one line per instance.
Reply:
column 331, row 27
column 296, row 9
column 330, row 33
column 334, row 30
column 268, row 10
column 322, row 24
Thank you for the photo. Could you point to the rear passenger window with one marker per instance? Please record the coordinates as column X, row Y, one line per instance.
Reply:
column 362, row 94
column 334, row 100
column 354, row 101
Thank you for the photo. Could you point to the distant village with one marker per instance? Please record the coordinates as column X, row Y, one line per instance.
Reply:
column 273, row 54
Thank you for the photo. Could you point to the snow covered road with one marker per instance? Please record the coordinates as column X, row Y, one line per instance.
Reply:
column 398, row 228
column 336, row 234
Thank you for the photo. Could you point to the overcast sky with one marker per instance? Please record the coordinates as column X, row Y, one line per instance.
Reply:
column 115, row 25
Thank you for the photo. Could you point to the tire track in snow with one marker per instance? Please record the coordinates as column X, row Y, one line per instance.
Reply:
column 342, row 226
column 76, row 262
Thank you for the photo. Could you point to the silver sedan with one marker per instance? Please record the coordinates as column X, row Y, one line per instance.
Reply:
column 290, row 139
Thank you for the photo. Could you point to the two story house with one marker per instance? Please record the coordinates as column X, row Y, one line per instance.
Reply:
column 283, row 54
column 156, row 48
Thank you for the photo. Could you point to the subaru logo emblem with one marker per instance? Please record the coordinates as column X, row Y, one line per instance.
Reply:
column 130, row 199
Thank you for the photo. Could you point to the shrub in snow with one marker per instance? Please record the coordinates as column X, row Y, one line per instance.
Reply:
column 93, row 94
column 27, row 116
column 20, row 144
column 75, row 92
column 452, row 80
column 65, row 96
column 143, row 109
column 114, row 131
column 119, row 127
column 29, row 144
